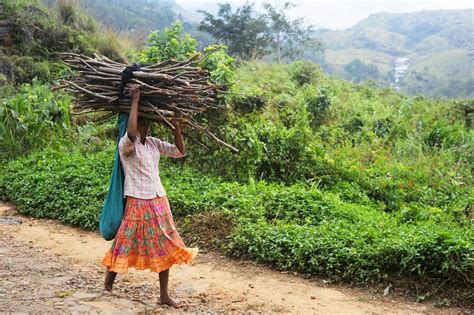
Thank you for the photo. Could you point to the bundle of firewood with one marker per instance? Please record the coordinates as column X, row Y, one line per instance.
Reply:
column 166, row 88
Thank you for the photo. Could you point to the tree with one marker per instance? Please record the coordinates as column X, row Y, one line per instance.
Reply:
column 250, row 34
column 288, row 38
column 359, row 71
column 244, row 31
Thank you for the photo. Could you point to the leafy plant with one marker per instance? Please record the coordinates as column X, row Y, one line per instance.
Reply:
column 169, row 44
column 32, row 118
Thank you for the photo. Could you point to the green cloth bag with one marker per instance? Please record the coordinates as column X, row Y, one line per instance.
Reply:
column 114, row 205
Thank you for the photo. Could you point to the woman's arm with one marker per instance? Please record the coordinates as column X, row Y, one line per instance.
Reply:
column 178, row 137
column 132, row 129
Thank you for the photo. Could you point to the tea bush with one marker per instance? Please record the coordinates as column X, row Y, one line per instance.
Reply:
column 297, row 227
column 32, row 118
column 365, row 251
column 67, row 186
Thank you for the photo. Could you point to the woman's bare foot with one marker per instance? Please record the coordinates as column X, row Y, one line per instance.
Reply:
column 169, row 301
column 109, row 280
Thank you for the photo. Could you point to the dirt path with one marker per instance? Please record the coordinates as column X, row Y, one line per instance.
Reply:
column 49, row 267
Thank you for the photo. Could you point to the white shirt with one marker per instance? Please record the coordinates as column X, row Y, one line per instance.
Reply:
column 140, row 164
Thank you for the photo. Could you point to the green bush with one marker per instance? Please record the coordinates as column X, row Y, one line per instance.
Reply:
column 301, row 205
column 67, row 186
column 297, row 227
column 172, row 44
column 392, row 149
column 169, row 44
column 364, row 251
column 32, row 118
column 305, row 72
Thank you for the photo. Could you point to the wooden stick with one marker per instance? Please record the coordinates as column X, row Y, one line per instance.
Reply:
column 167, row 87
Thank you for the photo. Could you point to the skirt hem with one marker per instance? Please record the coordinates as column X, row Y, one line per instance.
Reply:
column 121, row 264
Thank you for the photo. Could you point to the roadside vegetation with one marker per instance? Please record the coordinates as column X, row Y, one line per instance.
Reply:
column 335, row 179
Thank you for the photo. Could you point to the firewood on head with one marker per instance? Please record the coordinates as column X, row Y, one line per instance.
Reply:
column 165, row 88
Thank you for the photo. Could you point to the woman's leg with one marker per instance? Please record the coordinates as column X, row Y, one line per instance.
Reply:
column 109, row 280
column 164, row 295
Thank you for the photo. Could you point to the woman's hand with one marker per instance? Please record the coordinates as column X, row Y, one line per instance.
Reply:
column 178, row 137
column 178, row 116
column 135, row 91
column 132, row 128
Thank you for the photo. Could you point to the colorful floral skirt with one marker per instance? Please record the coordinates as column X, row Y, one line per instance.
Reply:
column 147, row 238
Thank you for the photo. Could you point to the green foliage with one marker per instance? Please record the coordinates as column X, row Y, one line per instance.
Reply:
column 170, row 44
column 359, row 71
column 305, row 72
column 32, row 118
column 243, row 31
column 377, row 144
column 317, row 102
column 39, row 34
column 219, row 64
column 299, row 227
column 365, row 251
column 67, row 186
column 447, row 135
column 251, row 35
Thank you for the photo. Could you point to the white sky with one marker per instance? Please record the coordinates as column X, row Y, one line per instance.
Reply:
column 339, row 14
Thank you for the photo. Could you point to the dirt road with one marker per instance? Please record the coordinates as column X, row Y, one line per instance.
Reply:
column 52, row 268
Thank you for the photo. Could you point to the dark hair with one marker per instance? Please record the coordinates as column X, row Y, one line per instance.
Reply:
column 143, row 121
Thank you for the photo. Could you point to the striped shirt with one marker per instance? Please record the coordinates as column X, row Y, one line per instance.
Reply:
column 140, row 164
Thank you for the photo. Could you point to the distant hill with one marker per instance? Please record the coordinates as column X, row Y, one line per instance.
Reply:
column 438, row 45
column 425, row 52
column 140, row 17
column 124, row 15
column 143, row 16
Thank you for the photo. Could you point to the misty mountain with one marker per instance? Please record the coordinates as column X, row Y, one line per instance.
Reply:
column 435, row 48
column 424, row 52
column 136, row 15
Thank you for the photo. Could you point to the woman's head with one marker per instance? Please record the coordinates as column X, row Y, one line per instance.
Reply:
column 143, row 126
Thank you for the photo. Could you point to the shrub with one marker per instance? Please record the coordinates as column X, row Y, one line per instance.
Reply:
column 32, row 118
column 305, row 72
column 297, row 227
column 67, row 186
column 167, row 45
column 365, row 251
column 172, row 44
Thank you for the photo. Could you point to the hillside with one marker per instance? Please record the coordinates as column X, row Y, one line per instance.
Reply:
column 32, row 36
column 436, row 43
column 140, row 17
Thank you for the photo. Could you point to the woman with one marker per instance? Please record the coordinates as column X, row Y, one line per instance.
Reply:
column 147, row 238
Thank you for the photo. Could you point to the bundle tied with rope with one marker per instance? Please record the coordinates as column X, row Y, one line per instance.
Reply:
column 166, row 88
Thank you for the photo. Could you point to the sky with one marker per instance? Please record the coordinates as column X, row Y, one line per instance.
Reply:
column 341, row 14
